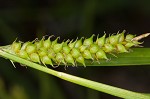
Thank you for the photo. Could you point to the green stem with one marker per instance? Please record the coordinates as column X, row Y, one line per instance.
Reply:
column 77, row 80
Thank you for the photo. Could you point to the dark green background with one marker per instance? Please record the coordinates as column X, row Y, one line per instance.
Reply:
column 28, row 19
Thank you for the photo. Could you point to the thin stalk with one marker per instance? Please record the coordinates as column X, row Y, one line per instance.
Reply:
column 122, row 93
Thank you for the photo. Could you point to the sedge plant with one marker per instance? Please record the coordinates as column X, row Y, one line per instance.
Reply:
column 85, row 51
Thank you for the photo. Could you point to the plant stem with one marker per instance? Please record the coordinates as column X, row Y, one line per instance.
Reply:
column 77, row 80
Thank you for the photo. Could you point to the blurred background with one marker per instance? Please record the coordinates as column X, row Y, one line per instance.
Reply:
column 29, row 19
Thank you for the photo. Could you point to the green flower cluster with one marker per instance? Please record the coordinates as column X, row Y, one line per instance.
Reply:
column 48, row 52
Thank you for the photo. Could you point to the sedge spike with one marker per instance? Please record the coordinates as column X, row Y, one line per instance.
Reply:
column 71, row 52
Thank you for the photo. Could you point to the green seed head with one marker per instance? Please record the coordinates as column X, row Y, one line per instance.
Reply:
column 70, row 52
column 87, row 55
column 57, row 47
column 78, row 43
column 101, row 41
column 69, row 59
column 94, row 48
column 35, row 57
column 66, row 43
column 31, row 48
column 107, row 40
column 88, row 41
column 66, row 49
column 42, row 52
column 51, row 54
column 75, row 53
column 82, row 48
column 129, row 44
column 121, row 48
column 39, row 44
column 80, row 59
column 72, row 44
column 25, row 45
column 46, row 60
column 23, row 54
column 121, row 37
column 47, row 43
column 108, row 48
column 136, row 43
column 54, row 42
column 100, row 54
column 60, row 58
column 113, row 39
column 16, row 47
column 129, row 37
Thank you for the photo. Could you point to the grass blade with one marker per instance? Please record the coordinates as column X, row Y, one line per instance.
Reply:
column 138, row 56
column 77, row 80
